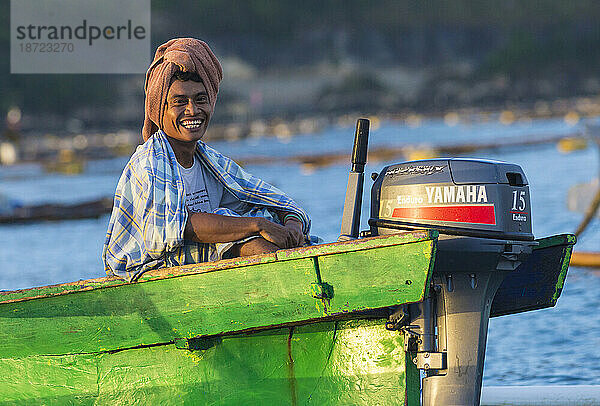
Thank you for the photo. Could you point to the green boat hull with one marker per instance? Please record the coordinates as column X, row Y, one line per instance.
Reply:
column 304, row 326
column 348, row 362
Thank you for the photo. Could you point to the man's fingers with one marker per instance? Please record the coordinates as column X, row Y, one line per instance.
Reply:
column 295, row 229
column 292, row 238
column 298, row 239
column 278, row 235
column 283, row 236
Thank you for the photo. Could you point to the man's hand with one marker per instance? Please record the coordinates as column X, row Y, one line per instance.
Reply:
column 298, row 238
column 288, row 236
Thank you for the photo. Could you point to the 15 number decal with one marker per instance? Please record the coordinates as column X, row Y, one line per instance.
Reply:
column 519, row 200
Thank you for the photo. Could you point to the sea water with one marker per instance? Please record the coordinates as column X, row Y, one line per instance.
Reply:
column 560, row 345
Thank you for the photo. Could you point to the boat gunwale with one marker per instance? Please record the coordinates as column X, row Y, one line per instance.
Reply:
column 206, row 267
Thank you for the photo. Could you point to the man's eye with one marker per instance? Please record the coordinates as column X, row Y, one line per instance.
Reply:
column 202, row 99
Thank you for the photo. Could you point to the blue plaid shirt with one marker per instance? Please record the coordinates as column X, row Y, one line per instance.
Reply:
column 149, row 214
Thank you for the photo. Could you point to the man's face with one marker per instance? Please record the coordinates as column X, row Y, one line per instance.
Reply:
column 188, row 111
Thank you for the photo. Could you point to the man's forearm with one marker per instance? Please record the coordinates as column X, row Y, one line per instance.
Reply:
column 212, row 228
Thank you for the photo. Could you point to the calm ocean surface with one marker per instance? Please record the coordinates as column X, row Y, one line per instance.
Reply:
column 552, row 346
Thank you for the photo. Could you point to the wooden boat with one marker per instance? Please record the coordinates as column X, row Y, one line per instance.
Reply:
column 58, row 211
column 296, row 327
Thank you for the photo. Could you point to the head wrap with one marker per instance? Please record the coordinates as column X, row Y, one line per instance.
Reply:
column 180, row 54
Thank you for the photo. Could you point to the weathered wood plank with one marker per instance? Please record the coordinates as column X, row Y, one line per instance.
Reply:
column 355, row 245
column 231, row 299
column 112, row 281
column 380, row 278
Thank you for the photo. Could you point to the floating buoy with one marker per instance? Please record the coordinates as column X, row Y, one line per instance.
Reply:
column 414, row 120
column 570, row 144
column 571, row 118
column 282, row 132
column 507, row 117
column 451, row 119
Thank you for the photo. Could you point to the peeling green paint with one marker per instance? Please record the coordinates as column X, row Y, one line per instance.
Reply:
column 361, row 244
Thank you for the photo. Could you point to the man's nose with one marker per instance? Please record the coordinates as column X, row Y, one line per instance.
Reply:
column 191, row 108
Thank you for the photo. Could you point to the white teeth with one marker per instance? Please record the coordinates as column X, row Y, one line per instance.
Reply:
column 192, row 124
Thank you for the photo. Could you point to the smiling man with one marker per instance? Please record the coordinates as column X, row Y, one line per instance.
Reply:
column 178, row 200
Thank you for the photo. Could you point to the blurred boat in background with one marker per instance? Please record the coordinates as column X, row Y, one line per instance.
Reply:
column 13, row 212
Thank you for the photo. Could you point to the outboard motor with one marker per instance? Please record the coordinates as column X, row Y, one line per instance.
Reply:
column 481, row 209
column 487, row 261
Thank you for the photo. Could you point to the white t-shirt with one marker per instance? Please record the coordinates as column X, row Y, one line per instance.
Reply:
column 196, row 193
column 204, row 193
